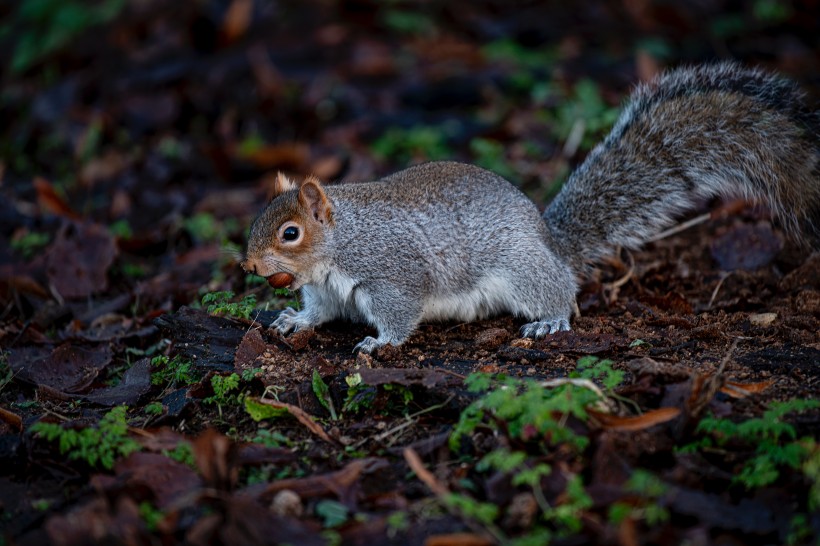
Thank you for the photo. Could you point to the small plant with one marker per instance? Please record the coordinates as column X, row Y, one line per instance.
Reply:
column 271, row 438
column 224, row 387
column 175, row 371
column 333, row 513
column 419, row 143
column 648, row 488
column 219, row 304
column 154, row 408
column 584, row 106
column 182, row 453
column 121, row 229
column 46, row 26
column 530, row 411
column 151, row 515
column 491, row 155
column 359, row 395
column 322, row 392
column 30, row 243
column 774, row 441
column 98, row 446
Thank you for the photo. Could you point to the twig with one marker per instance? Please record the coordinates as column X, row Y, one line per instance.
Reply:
column 723, row 276
column 680, row 227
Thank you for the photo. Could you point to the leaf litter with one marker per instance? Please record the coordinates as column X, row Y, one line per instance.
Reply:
column 130, row 173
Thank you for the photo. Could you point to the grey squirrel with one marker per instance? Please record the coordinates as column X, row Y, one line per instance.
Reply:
column 446, row 240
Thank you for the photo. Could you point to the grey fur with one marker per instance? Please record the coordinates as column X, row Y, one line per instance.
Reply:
column 447, row 240
column 691, row 134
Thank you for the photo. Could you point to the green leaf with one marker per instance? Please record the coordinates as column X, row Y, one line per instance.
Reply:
column 333, row 513
column 259, row 411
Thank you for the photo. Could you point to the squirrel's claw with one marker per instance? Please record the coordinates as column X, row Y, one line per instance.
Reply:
column 287, row 321
column 368, row 345
column 541, row 328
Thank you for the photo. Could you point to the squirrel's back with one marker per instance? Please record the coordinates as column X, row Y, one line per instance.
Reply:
column 691, row 134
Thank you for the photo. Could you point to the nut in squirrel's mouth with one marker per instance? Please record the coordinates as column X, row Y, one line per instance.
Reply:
column 280, row 280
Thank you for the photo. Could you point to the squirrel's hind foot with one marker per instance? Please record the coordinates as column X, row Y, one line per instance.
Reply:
column 541, row 328
column 368, row 345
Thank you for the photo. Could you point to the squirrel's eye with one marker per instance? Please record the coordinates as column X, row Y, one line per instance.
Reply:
column 290, row 234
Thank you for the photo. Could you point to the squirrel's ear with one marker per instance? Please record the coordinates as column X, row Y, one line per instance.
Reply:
column 282, row 184
column 314, row 199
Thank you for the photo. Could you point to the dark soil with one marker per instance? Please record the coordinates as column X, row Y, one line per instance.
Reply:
column 134, row 157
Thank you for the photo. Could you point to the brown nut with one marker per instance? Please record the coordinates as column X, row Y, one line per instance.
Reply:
column 280, row 280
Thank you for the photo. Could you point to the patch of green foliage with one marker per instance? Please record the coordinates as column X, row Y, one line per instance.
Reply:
column 226, row 389
column 30, row 243
column 773, row 440
column 529, row 66
column 322, row 392
column 259, row 411
column 397, row 522
column 586, row 106
column 219, row 304
column 408, row 22
column 182, row 453
column 42, row 27
column 419, row 143
column 153, row 408
column 528, row 410
column 172, row 371
column 271, row 438
column 491, row 154
column 121, row 229
column 533, row 417
column 359, row 395
column 332, row 513
column 151, row 515
column 98, row 446
column 649, row 489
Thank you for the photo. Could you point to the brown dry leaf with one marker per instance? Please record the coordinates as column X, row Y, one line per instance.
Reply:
column 302, row 416
column 167, row 479
column 23, row 283
column 67, row 369
column 638, row 422
column 415, row 464
column 12, row 419
column 237, row 19
column 342, row 483
column 214, row 457
column 50, row 201
column 77, row 261
column 458, row 539
column 742, row 390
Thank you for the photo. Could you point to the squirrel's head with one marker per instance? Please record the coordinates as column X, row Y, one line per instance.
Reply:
column 285, row 240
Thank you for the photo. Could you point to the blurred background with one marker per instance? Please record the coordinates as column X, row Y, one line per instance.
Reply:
column 139, row 137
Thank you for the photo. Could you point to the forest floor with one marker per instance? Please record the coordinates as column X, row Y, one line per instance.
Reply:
column 682, row 407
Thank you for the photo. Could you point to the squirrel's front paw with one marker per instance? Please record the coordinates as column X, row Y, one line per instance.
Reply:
column 537, row 330
column 289, row 320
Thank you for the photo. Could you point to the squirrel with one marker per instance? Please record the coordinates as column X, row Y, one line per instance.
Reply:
column 447, row 240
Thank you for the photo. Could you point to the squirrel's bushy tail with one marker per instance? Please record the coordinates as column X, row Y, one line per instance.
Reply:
column 689, row 135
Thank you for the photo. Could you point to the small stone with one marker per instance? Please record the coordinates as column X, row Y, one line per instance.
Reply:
column 763, row 319
column 287, row 503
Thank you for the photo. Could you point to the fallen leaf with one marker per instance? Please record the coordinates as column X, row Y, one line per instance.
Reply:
column 237, row 19
column 77, row 261
column 742, row 390
column 301, row 416
column 68, row 368
column 637, row 422
column 135, row 383
column 11, row 419
column 50, row 201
